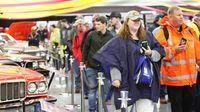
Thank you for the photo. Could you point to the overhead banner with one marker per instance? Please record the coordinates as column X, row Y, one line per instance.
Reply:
column 42, row 8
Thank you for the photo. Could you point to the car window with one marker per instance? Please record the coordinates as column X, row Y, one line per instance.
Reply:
column 6, row 38
column 2, row 40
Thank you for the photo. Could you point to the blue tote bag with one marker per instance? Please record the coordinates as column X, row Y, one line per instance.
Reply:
column 143, row 74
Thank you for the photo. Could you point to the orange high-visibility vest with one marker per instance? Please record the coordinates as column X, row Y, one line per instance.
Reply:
column 179, row 69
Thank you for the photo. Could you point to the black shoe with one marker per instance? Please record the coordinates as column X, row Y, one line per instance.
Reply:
column 163, row 100
column 77, row 90
column 86, row 97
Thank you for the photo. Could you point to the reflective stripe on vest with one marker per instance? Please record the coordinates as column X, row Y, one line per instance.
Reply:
column 178, row 62
column 184, row 77
column 170, row 44
column 168, row 49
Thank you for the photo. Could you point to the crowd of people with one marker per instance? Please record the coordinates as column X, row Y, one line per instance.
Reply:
column 139, row 59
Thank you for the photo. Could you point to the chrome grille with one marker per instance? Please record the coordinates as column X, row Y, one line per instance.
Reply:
column 12, row 91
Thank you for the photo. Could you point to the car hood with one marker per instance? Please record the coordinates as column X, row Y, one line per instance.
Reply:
column 18, row 73
column 4, row 60
column 19, row 47
column 21, row 57
column 2, row 57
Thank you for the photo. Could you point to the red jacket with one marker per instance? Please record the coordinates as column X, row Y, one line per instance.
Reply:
column 76, row 43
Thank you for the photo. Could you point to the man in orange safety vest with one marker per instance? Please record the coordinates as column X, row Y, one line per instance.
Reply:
column 178, row 68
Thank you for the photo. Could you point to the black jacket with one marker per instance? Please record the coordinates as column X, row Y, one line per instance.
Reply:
column 94, row 41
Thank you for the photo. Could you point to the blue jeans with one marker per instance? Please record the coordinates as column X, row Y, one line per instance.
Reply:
column 76, row 72
column 107, row 85
column 91, row 75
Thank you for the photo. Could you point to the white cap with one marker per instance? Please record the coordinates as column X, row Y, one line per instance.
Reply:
column 133, row 15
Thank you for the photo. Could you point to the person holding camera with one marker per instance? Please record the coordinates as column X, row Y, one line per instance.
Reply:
column 55, row 44
column 123, row 53
column 178, row 68
column 54, row 37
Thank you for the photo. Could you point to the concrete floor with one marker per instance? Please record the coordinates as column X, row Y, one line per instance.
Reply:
column 61, row 91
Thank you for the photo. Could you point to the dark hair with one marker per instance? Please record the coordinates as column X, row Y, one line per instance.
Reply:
column 102, row 19
column 158, row 17
column 54, row 26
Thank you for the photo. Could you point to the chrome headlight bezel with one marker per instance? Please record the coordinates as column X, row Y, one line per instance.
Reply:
column 32, row 87
column 42, row 86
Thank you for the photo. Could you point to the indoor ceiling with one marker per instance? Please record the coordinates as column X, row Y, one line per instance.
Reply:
column 151, row 2
column 28, row 9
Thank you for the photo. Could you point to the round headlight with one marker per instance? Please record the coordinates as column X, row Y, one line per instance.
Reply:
column 42, row 86
column 32, row 87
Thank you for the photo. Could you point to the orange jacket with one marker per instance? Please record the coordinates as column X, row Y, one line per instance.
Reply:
column 179, row 69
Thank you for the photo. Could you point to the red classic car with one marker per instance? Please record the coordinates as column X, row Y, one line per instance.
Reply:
column 19, row 84
column 9, row 44
column 20, row 30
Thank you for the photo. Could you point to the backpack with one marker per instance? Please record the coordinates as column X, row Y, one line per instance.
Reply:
column 166, row 32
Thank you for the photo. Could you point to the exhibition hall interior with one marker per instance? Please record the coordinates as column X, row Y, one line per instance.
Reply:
column 99, row 56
